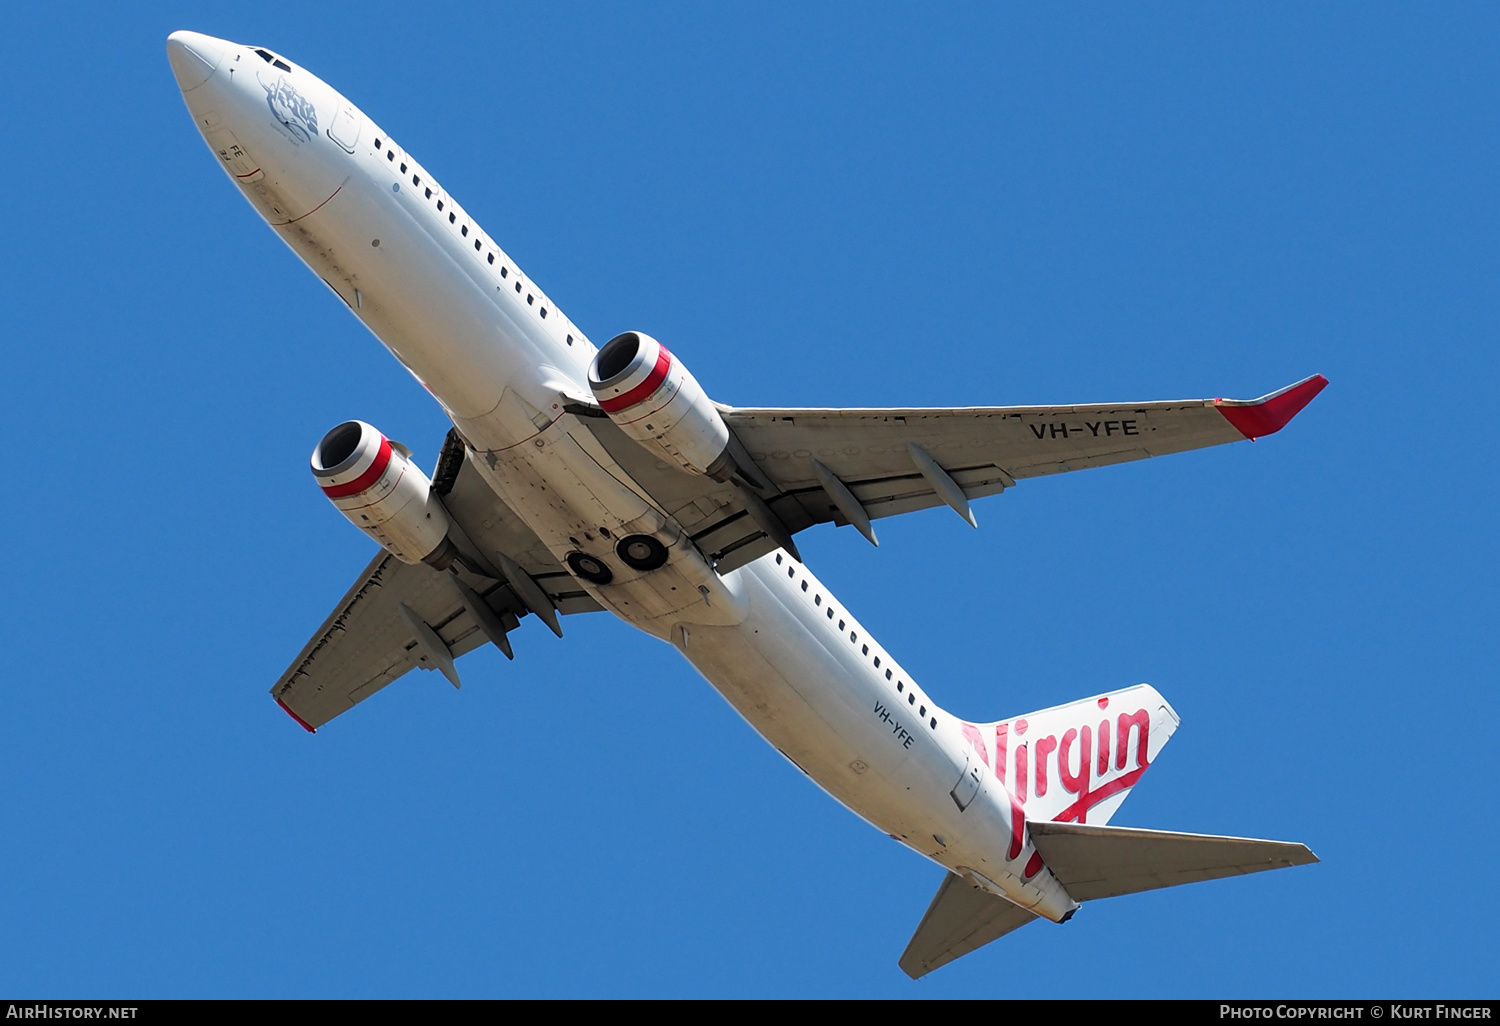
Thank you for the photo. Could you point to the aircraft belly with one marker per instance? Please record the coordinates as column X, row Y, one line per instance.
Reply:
column 575, row 504
column 791, row 677
column 805, row 701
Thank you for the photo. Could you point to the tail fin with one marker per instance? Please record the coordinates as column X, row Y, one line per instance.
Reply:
column 1104, row 862
column 1072, row 766
column 1077, row 762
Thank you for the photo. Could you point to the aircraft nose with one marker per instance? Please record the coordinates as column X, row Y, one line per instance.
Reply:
column 194, row 57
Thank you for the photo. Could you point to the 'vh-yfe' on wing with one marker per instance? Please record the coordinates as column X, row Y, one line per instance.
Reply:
column 878, row 455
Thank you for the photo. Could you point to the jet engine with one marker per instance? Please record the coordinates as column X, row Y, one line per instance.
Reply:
column 374, row 483
column 652, row 397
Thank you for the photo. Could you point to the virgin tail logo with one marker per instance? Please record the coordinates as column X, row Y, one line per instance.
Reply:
column 1075, row 763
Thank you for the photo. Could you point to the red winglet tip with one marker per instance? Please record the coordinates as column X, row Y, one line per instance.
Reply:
column 300, row 721
column 1269, row 414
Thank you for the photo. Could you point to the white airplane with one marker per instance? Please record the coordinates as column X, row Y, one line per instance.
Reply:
column 578, row 478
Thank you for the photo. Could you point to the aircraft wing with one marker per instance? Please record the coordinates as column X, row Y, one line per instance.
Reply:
column 985, row 450
column 960, row 919
column 398, row 616
column 801, row 467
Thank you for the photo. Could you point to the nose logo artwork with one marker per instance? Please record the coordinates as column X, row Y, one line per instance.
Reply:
column 291, row 108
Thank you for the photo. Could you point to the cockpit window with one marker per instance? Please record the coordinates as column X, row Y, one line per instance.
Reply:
column 271, row 59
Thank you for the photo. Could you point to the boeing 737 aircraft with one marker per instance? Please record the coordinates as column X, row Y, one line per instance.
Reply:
column 578, row 478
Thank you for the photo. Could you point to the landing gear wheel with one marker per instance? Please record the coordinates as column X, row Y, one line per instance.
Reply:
column 641, row 552
column 590, row 568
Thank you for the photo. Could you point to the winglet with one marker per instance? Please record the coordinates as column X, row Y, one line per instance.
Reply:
column 1256, row 418
column 305, row 725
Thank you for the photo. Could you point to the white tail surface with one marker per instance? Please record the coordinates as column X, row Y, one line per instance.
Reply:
column 1075, row 763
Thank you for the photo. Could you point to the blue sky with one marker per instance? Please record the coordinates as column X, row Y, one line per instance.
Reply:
column 812, row 205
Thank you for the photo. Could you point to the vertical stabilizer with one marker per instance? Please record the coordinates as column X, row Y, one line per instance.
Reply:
column 1075, row 763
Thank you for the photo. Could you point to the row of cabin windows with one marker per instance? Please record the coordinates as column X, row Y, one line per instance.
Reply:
column 864, row 650
column 416, row 181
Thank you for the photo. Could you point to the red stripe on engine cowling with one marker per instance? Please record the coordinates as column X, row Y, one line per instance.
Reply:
column 644, row 389
column 365, row 480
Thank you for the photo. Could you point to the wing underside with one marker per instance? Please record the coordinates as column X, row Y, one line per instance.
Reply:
column 367, row 641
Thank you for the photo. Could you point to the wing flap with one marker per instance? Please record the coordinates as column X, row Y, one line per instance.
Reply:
column 364, row 644
column 961, row 919
column 1104, row 861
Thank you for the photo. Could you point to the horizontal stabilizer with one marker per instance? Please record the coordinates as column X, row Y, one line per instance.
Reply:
column 960, row 919
column 1104, row 861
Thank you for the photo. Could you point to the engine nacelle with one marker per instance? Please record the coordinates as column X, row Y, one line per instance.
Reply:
column 652, row 397
column 375, row 484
